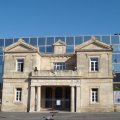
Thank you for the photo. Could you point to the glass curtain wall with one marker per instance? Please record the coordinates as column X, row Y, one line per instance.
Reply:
column 45, row 45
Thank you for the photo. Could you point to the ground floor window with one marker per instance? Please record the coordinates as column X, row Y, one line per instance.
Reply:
column 18, row 94
column 94, row 95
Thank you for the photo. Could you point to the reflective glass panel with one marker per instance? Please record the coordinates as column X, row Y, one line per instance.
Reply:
column 115, row 39
column 60, row 38
column 1, row 51
column 70, row 49
column 8, row 42
column 42, row 49
column 116, row 58
column 41, row 41
column 70, row 40
column 33, row 41
column 1, row 77
column 1, row 42
column 106, row 39
column 26, row 40
column 50, row 40
column 86, row 38
column 49, row 49
column 116, row 67
column 16, row 39
column 116, row 48
column 1, row 68
column 78, row 40
column 1, row 60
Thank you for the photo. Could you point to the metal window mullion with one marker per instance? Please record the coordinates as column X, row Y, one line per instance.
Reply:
column 37, row 41
column 13, row 40
column 54, row 39
column 83, row 38
column 29, row 40
column 4, row 42
column 119, row 39
column 110, row 40
column 74, row 44
column 100, row 37
column 45, row 44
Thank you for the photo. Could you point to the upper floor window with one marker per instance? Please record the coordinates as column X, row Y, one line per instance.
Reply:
column 59, row 66
column 20, row 65
column 94, row 64
column 18, row 94
column 94, row 95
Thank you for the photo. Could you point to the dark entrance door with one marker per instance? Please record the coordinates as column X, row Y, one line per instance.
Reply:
column 57, row 98
column 58, row 93
column 48, row 97
column 67, row 99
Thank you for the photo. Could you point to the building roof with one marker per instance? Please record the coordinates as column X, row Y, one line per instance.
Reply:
column 93, row 44
column 20, row 46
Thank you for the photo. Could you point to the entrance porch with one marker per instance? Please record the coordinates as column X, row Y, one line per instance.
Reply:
column 56, row 98
column 60, row 98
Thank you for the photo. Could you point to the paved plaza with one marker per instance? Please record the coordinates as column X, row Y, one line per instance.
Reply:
column 60, row 116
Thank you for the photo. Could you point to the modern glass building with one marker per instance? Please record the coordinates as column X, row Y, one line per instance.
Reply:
column 45, row 45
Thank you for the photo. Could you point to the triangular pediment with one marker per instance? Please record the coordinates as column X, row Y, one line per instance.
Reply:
column 21, row 46
column 93, row 45
column 59, row 43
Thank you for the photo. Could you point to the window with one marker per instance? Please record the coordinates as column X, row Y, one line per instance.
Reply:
column 94, row 64
column 20, row 65
column 94, row 95
column 59, row 66
column 18, row 94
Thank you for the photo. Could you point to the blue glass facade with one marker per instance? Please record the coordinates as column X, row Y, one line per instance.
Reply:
column 45, row 46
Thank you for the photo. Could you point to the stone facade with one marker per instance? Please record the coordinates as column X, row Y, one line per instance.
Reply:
column 80, row 82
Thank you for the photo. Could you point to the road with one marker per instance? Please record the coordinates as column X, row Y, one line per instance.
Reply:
column 60, row 116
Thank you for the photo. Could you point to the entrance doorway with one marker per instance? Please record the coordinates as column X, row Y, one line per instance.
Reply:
column 57, row 98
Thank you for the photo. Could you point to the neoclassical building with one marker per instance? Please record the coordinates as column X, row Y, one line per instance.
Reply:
column 80, row 82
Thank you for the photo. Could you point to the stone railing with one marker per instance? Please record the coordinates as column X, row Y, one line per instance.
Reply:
column 57, row 73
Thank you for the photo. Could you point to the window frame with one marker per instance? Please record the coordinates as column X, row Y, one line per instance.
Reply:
column 17, row 65
column 94, row 64
column 60, row 65
column 94, row 99
column 18, row 94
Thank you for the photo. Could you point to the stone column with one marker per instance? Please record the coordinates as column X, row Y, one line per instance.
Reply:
column 32, row 99
column 72, row 99
column 38, row 98
column 78, row 98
